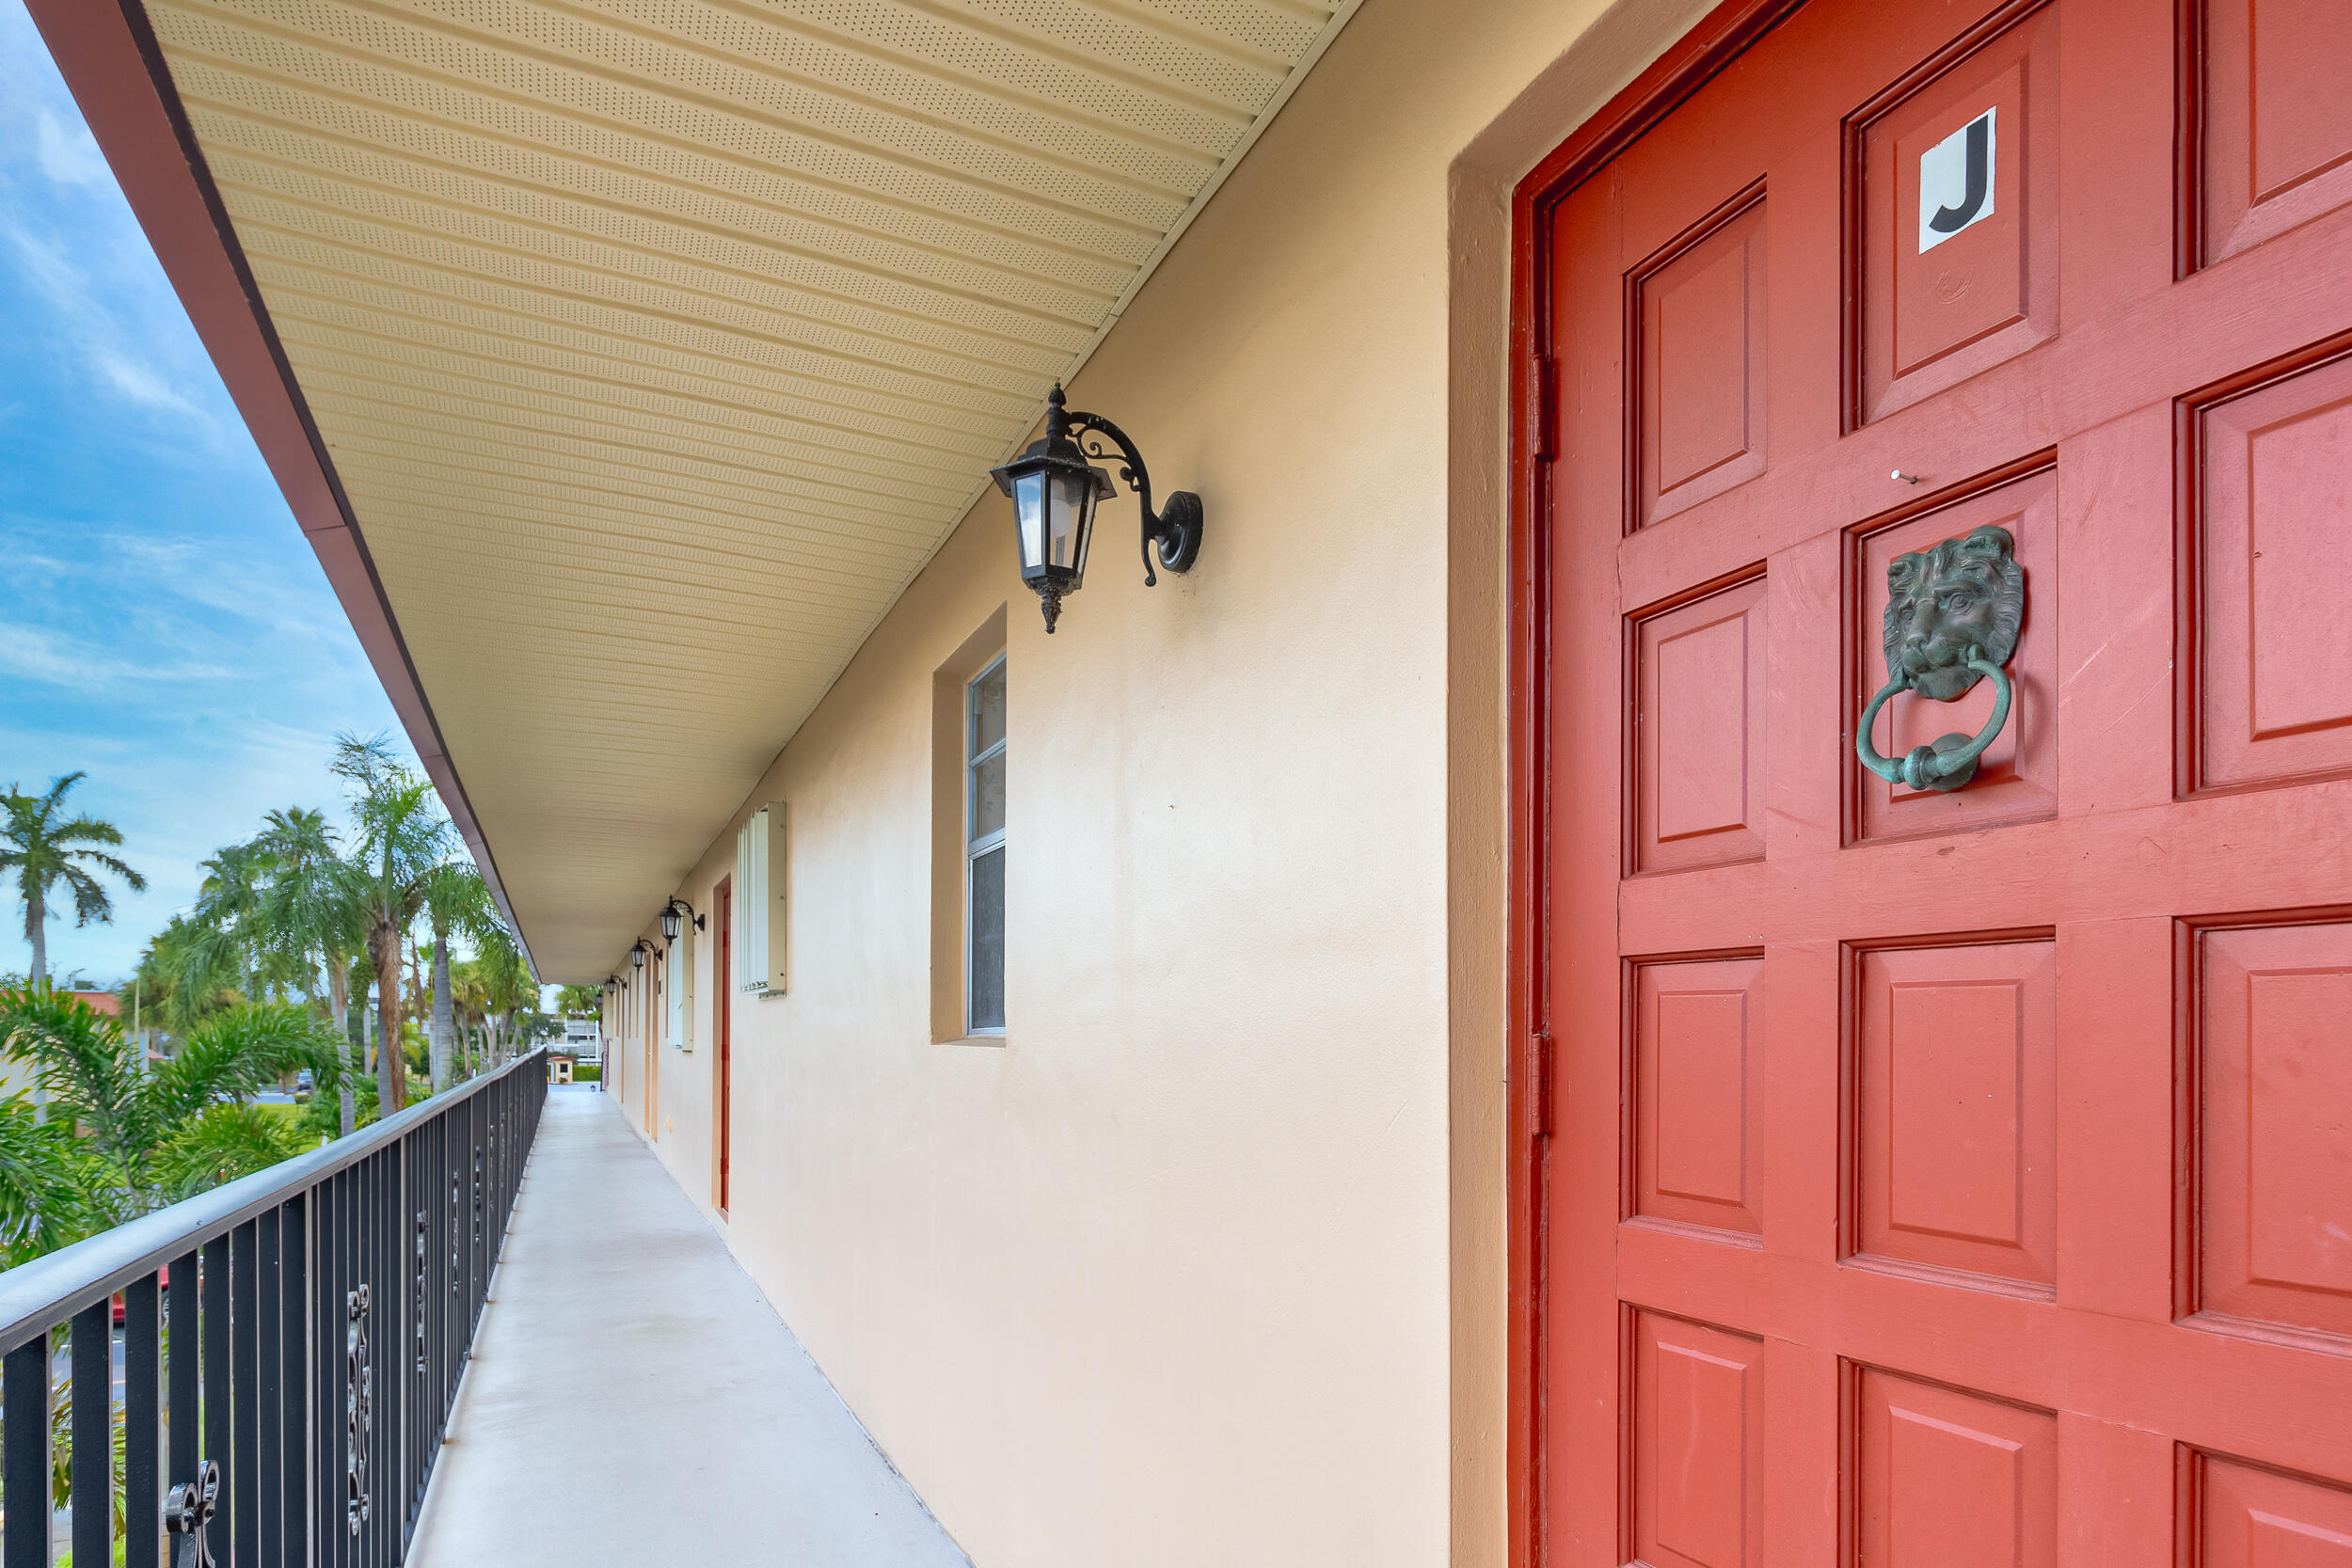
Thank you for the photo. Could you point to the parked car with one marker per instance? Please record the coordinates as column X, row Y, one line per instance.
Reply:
column 163, row 1281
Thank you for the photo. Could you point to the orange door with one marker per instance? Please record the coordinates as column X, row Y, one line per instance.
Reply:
column 722, row 1028
column 1963, row 1176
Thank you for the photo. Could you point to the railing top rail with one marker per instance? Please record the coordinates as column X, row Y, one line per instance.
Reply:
column 35, row 1296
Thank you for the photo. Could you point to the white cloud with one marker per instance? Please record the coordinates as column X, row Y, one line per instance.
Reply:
column 29, row 652
column 141, row 385
column 69, row 154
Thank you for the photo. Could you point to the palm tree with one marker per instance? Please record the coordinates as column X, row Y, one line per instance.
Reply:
column 223, row 939
column 186, row 974
column 508, row 989
column 159, row 1134
column 403, row 839
column 315, row 903
column 456, row 899
column 41, row 850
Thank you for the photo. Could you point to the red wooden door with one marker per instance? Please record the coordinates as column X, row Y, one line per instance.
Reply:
column 722, row 1031
column 1955, row 1178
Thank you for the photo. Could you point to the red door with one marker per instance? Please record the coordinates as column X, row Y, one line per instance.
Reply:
column 648, row 1017
column 1961, row 1175
column 721, row 1027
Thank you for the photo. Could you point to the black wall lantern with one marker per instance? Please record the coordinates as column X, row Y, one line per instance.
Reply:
column 1054, row 488
column 637, row 956
column 674, row 915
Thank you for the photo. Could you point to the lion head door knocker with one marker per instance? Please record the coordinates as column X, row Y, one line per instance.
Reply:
column 1953, row 611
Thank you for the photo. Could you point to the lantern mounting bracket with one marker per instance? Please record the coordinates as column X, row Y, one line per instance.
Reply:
column 1176, row 531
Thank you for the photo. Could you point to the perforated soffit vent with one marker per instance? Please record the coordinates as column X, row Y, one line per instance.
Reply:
column 658, row 342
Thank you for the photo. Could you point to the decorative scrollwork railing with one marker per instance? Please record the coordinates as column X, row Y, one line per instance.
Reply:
column 359, row 1407
column 252, row 1281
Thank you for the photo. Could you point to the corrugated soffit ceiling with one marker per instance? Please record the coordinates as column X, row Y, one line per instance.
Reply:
column 658, row 342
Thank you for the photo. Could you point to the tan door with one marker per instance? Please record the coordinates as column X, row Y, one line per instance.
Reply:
column 1955, row 1176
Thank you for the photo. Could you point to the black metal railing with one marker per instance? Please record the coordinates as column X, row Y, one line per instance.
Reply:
column 302, row 1330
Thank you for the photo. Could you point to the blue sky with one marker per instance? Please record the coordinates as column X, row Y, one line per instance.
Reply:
column 162, row 623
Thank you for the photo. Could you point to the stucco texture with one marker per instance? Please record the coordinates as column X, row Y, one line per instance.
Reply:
column 1175, row 1273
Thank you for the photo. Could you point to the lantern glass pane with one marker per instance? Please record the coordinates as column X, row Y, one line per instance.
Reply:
column 1029, row 505
column 1072, row 509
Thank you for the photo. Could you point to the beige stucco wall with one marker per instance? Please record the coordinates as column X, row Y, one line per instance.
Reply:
column 1203, row 1263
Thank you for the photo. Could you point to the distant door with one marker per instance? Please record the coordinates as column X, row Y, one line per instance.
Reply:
column 722, row 1031
column 1954, row 1177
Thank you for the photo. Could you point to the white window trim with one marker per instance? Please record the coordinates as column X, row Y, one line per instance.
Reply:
column 974, row 849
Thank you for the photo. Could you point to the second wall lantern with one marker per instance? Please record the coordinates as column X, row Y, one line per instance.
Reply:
column 1054, row 487
column 674, row 916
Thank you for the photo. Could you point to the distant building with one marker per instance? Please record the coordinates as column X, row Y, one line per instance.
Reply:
column 583, row 1038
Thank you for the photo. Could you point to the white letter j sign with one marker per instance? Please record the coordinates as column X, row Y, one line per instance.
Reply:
column 1956, row 182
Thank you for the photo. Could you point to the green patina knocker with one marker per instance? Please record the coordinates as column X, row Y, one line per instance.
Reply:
column 1950, row 760
column 1953, row 612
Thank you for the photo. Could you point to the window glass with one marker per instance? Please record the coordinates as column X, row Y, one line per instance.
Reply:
column 988, row 709
column 985, row 848
column 987, row 940
column 988, row 796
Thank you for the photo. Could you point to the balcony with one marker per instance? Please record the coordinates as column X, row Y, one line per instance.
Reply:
column 633, row 1399
column 491, row 1330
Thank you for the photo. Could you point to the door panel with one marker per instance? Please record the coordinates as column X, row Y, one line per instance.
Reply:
column 1937, row 1145
column 2274, row 518
column 1968, row 145
column 1699, row 785
column 1698, row 1445
column 1698, row 368
column 2250, row 1518
column 1698, row 1095
column 2274, row 1166
column 2276, row 122
column 1955, row 1109
column 1946, row 1479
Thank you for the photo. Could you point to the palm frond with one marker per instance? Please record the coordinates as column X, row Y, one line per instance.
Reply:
column 222, row 1143
column 237, row 1051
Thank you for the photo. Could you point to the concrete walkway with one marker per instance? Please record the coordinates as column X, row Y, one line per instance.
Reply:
column 633, row 1400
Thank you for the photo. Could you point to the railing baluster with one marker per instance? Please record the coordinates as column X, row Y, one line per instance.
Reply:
column 142, row 1423
column 217, row 1398
column 93, row 1485
column 326, row 1480
column 268, row 1470
column 24, row 1466
column 244, row 1386
column 294, row 1344
column 187, row 1424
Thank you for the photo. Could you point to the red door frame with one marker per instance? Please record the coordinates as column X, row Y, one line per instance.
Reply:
column 1686, row 66
column 723, row 1035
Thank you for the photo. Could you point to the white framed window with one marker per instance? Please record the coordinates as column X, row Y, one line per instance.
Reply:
column 761, row 883
column 677, row 989
column 984, row 852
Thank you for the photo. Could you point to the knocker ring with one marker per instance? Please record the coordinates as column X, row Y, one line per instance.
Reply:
column 1950, row 761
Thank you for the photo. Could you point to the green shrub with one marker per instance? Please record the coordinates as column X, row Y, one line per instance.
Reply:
column 587, row 1073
